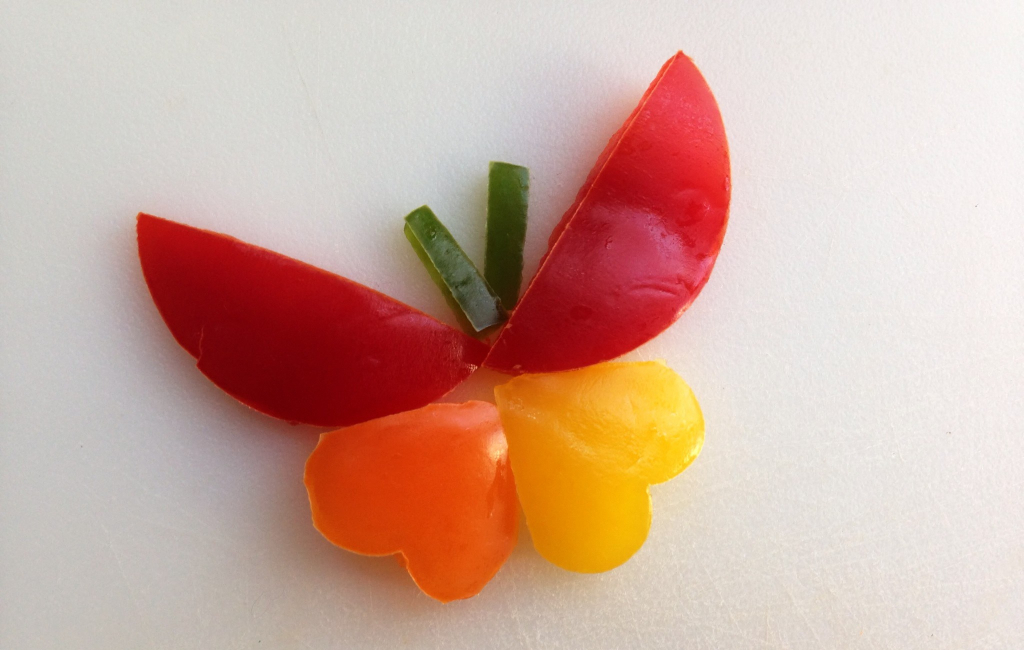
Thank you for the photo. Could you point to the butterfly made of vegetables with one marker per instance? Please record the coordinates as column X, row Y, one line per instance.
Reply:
column 574, row 437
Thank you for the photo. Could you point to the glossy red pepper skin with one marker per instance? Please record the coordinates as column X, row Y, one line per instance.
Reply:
column 638, row 244
column 292, row 340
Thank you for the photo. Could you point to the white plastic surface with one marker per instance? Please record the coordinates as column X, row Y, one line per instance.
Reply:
column 858, row 352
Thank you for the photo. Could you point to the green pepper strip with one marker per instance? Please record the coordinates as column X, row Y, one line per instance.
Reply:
column 470, row 296
column 508, row 193
column 436, row 277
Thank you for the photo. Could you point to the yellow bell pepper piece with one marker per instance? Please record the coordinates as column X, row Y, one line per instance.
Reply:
column 585, row 445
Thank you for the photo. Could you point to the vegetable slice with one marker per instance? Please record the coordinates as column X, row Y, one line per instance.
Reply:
column 433, row 485
column 453, row 304
column 508, row 194
column 586, row 444
column 640, row 241
column 292, row 340
column 470, row 291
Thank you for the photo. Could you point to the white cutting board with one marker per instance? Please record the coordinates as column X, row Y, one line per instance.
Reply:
column 858, row 352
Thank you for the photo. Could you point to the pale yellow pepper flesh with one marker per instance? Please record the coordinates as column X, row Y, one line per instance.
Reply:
column 586, row 444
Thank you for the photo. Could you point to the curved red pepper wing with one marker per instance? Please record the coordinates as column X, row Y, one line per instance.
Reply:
column 640, row 241
column 292, row 340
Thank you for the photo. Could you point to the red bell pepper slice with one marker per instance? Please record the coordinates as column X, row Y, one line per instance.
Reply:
column 292, row 340
column 638, row 244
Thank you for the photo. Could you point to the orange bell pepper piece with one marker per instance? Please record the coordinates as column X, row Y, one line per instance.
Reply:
column 433, row 485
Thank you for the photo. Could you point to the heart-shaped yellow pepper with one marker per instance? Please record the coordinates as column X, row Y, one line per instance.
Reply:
column 585, row 445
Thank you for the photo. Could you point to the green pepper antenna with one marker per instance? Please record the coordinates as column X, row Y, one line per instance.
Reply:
column 508, row 195
column 465, row 290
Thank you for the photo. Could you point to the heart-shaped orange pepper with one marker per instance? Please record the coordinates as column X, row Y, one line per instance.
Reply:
column 433, row 485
